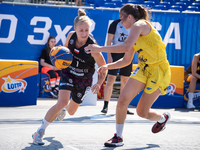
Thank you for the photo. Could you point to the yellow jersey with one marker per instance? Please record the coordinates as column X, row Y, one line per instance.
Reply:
column 153, row 67
column 150, row 48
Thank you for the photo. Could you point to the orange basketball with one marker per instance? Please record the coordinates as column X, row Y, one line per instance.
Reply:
column 61, row 57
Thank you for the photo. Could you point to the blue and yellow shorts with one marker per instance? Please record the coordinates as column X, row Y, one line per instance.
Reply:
column 154, row 76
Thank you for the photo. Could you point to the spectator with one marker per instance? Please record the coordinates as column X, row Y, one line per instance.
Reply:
column 192, row 75
column 48, row 68
column 78, row 2
column 117, row 33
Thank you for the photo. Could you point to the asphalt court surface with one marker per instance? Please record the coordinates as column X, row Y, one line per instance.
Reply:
column 88, row 129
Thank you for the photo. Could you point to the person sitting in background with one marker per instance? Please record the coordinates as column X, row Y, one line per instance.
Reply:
column 117, row 33
column 192, row 75
column 48, row 68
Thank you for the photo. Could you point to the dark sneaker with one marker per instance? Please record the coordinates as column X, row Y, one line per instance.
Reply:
column 104, row 110
column 130, row 113
column 114, row 142
column 54, row 93
column 160, row 126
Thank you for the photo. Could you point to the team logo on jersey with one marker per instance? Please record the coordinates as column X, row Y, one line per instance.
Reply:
column 70, row 81
column 71, row 41
column 122, row 37
column 135, row 71
column 76, row 51
column 140, row 50
column 171, row 89
column 79, row 95
column 13, row 85
column 141, row 59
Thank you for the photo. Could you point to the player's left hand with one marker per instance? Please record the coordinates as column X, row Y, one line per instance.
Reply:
column 102, row 70
column 95, row 88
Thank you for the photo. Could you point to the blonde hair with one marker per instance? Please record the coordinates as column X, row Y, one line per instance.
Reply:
column 82, row 17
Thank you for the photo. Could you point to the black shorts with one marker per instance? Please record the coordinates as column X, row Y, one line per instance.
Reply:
column 78, row 87
column 126, row 71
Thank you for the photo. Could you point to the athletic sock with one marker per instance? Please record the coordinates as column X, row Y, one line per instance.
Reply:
column 162, row 119
column 119, row 129
column 190, row 96
column 44, row 124
column 105, row 104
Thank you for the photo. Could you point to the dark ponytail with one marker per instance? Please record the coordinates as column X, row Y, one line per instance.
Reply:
column 137, row 11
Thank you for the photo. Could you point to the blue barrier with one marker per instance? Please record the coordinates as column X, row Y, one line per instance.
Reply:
column 18, row 82
column 25, row 29
column 45, row 86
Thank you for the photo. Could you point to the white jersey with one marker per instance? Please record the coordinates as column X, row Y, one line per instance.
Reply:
column 119, row 31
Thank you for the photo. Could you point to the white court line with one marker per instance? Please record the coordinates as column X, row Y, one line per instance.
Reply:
column 57, row 125
column 184, row 118
column 68, row 146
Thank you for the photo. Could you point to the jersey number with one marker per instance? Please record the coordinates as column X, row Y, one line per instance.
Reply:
column 77, row 63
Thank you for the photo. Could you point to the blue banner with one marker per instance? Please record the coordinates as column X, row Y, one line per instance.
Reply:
column 24, row 30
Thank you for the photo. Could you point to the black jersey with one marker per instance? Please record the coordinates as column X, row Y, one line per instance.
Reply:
column 83, row 64
column 45, row 55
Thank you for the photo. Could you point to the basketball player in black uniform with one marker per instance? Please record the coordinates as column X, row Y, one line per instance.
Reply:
column 77, row 78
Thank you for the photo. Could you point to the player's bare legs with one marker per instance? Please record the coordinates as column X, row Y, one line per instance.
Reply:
column 143, row 110
column 144, row 105
column 123, row 80
column 192, row 86
column 51, row 115
column 72, row 107
column 64, row 96
column 126, row 96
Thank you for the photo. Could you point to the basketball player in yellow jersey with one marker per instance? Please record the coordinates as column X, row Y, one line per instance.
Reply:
column 151, row 75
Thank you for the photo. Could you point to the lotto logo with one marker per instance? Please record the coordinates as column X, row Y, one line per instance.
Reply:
column 171, row 89
column 13, row 85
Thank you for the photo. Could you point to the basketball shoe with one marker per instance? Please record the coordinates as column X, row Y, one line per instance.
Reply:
column 114, row 142
column 104, row 110
column 61, row 115
column 190, row 105
column 54, row 93
column 161, row 126
column 37, row 137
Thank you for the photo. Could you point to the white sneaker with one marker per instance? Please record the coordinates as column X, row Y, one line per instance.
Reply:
column 190, row 105
column 37, row 137
column 61, row 115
